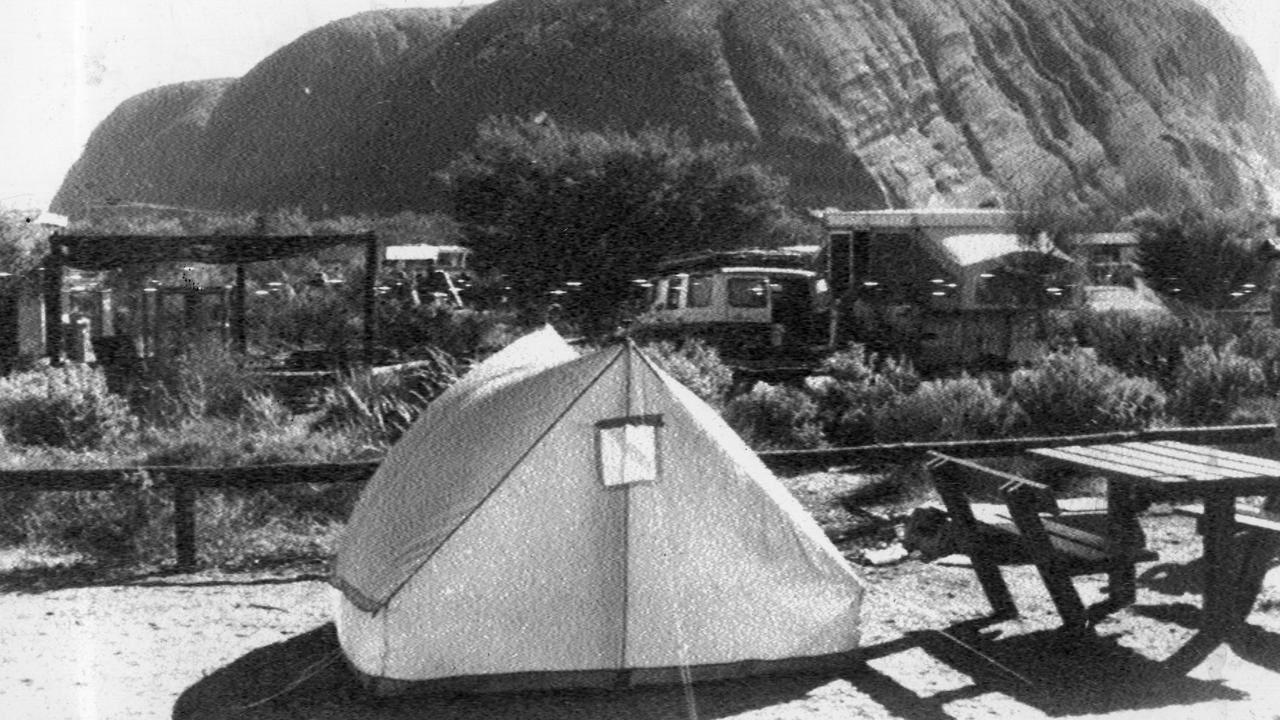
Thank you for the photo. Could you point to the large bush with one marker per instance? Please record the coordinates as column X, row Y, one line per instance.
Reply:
column 775, row 417
column 1148, row 345
column 1211, row 384
column 964, row 408
column 67, row 407
column 851, row 386
column 1210, row 258
column 695, row 364
column 1072, row 392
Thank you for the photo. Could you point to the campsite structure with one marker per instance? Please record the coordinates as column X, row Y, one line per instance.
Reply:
column 107, row 252
column 555, row 520
column 948, row 287
column 944, row 287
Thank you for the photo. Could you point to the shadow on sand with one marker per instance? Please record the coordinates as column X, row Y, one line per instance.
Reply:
column 1063, row 675
column 306, row 676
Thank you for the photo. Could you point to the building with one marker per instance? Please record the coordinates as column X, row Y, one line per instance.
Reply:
column 422, row 257
column 947, row 287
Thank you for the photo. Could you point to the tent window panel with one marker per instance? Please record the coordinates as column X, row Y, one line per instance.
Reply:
column 628, row 450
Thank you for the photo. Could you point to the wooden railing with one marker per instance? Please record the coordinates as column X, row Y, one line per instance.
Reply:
column 184, row 482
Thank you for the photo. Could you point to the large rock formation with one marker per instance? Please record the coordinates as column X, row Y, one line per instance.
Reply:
column 863, row 103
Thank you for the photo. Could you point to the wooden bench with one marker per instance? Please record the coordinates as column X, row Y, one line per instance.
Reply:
column 1058, row 549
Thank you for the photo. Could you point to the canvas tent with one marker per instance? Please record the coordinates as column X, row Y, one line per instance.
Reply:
column 555, row 520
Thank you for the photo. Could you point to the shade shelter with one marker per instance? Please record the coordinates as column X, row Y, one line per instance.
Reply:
column 555, row 520
column 109, row 252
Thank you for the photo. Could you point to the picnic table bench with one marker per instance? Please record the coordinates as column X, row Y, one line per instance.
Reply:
column 1240, row 539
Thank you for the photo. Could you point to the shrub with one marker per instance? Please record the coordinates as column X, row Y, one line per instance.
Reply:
column 1071, row 392
column 1262, row 343
column 219, row 442
column 775, row 417
column 208, row 380
column 460, row 332
column 238, row 528
column 1148, row 345
column 961, row 408
column 109, row 526
column 695, row 364
column 327, row 317
column 856, row 364
column 380, row 406
column 234, row 527
column 66, row 407
column 1211, row 384
column 1255, row 410
column 853, row 385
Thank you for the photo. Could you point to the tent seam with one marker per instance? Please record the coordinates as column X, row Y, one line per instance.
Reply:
column 626, row 529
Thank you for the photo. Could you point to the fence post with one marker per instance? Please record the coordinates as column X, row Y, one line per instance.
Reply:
column 184, row 525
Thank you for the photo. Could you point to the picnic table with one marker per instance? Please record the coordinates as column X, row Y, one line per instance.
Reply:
column 1240, row 539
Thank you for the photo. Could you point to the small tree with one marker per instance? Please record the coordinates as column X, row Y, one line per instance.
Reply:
column 23, row 243
column 548, row 205
column 1214, row 259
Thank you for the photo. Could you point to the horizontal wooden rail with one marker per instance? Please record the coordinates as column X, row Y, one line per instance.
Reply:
column 797, row 460
column 253, row 476
column 184, row 481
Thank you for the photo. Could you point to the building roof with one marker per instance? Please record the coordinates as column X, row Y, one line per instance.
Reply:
column 423, row 251
column 990, row 219
column 104, row 252
column 1108, row 238
column 749, row 270
column 796, row 257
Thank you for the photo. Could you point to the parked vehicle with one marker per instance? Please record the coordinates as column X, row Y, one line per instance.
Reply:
column 760, row 308
column 947, row 288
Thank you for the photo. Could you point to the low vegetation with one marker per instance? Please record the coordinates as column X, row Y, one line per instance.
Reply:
column 200, row 409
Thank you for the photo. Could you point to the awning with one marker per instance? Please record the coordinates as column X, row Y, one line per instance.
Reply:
column 973, row 251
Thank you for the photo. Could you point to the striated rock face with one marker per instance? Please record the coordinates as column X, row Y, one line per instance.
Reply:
column 863, row 103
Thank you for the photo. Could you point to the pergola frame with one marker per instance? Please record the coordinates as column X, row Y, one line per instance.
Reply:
column 110, row 252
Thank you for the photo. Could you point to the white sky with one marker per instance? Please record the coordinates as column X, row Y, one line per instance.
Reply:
column 65, row 64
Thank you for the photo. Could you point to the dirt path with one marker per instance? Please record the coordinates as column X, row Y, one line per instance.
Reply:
column 132, row 647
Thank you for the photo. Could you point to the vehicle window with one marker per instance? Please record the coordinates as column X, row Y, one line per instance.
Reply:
column 699, row 291
column 675, row 288
column 747, row 293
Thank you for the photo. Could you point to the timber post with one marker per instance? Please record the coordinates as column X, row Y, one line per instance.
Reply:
column 372, row 264
column 184, row 525
column 53, row 330
column 239, row 336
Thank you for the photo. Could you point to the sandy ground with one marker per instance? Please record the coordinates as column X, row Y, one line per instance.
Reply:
column 213, row 645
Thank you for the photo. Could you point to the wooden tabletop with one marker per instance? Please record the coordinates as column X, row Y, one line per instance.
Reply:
column 1172, row 466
